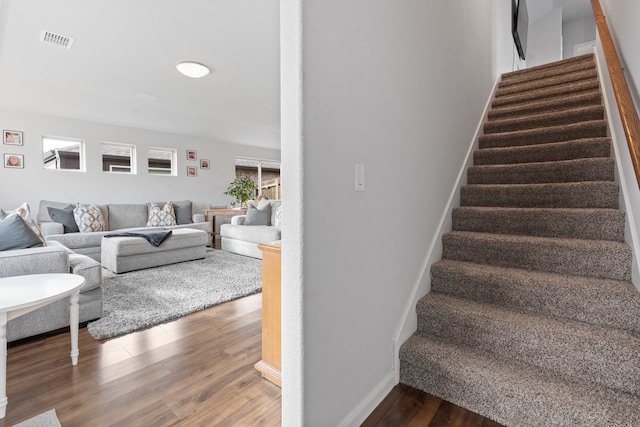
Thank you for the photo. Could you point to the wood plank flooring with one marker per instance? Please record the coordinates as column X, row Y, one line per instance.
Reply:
column 195, row 371
column 405, row 406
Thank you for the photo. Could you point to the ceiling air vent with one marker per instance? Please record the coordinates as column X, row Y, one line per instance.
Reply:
column 56, row 39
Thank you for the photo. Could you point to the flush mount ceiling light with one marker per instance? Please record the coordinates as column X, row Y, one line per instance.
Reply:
column 194, row 70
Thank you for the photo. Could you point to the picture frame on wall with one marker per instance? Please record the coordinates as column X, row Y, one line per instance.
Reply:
column 204, row 163
column 12, row 137
column 192, row 155
column 15, row 161
column 192, row 171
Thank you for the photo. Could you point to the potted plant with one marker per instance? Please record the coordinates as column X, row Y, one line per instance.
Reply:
column 241, row 189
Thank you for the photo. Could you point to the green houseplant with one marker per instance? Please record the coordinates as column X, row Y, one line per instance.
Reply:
column 241, row 189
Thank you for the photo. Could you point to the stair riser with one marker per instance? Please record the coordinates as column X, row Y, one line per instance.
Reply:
column 507, row 81
column 591, row 224
column 569, row 353
column 545, row 120
column 545, row 83
column 546, row 95
column 558, row 105
column 569, row 195
column 569, row 150
column 592, row 129
column 583, row 258
column 579, row 299
column 548, row 172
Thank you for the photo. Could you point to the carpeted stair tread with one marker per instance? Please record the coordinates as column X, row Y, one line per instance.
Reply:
column 593, row 258
column 551, row 68
column 593, row 97
column 592, row 224
column 575, row 351
column 509, row 79
column 590, row 194
column 545, row 119
column 547, row 82
column 604, row 302
column 546, row 94
column 596, row 169
column 514, row 396
column 544, row 135
column 553, row 151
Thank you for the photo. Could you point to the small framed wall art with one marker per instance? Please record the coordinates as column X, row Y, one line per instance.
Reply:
column 192, row 155
column 204, row 163
column 192, row 171
column 12, row 137
column 14, row 161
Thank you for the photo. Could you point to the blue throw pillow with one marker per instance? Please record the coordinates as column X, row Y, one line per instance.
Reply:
column 64, row 217
column 257, row 216
column 16, row 234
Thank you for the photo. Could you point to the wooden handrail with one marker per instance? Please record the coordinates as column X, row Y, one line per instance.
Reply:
column 628, row 112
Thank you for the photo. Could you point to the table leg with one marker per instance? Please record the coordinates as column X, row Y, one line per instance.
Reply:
column 74, row 319
column 3, row 364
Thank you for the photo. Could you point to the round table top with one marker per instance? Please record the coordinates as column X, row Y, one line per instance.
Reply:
column 18, row 292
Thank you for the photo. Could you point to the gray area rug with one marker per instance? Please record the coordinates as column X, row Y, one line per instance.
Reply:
column 46, row 419
column 144, row 298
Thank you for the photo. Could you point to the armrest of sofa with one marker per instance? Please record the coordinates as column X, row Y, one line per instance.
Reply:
column 198, row 218
column 238, row 219
column 50, row 228
column 48, row 259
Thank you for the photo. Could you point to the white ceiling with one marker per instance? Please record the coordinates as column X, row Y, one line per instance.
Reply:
column 125, row 52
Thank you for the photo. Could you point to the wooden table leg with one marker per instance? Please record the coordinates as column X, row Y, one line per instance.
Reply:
column 74, row 318
column 3, row 364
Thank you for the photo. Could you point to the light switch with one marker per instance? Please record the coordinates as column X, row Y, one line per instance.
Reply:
column 359, row 177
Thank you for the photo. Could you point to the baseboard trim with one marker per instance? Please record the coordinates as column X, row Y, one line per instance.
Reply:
column 408, row 322
column 360, row 413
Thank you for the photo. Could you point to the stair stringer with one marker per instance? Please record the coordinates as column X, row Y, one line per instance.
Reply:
column 409, row 321
column 625, row 173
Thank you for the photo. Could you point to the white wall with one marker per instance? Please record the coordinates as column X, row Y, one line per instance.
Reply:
column 545, row 39
column 399, row 87
column 33, row 183
column 577, row 32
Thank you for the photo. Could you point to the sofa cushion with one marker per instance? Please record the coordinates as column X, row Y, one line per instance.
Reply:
column 89, row 218
column 88, row 268
column 76, row 241
column 160, row 217
column 127, row 215
column 16, row 234
column 255, row 216
column 64, row 217
column 255, row 234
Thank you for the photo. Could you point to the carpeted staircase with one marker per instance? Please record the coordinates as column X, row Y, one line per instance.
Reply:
column 532, row 319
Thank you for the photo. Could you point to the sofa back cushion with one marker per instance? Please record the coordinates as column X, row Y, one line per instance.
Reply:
column 127, row 216
column 43, row 210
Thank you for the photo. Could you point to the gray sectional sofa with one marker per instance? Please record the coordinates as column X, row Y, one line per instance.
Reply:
column 53, row 258
column 118, row 217
column 243, row 239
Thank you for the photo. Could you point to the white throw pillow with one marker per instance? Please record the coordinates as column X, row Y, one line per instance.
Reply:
column 161, row 217
column 278, row 218
column 89, row 218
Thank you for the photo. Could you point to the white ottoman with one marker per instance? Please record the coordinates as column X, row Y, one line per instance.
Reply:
column 122, row 254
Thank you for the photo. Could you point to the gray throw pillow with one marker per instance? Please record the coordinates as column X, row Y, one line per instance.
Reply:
column 3, row 214
column 183, row 212
column 16, row 234
column 257, row 216
column 64, row 217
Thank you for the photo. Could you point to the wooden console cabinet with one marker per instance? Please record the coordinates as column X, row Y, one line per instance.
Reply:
column 271, row 363
column 211, row 215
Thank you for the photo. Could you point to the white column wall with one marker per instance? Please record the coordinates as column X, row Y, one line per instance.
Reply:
column 398, row 87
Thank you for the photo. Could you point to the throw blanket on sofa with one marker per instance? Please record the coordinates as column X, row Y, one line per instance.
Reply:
column 155, row 237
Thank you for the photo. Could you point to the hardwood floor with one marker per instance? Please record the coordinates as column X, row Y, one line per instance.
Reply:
column 195, row 371
column 405, row 406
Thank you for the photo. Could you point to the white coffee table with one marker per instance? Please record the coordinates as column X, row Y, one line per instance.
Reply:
column 22, row 294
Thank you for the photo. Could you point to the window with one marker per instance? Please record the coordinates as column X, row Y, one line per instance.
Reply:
column 62, row 153
column 265, row 174
column 118, row 158
column 162, row 161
